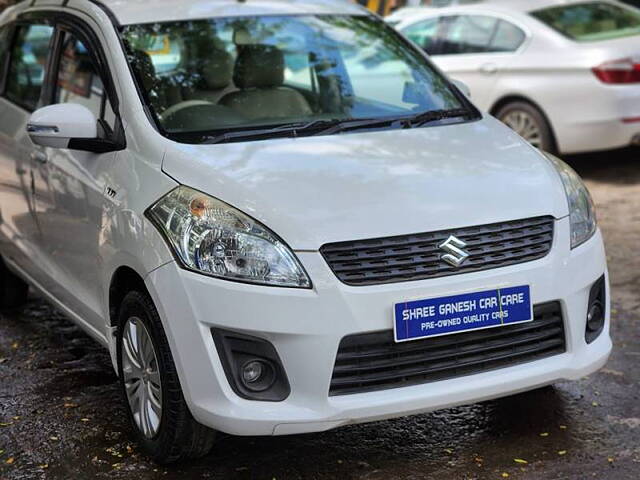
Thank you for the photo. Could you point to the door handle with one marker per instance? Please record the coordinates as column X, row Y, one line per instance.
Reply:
column 39, row 157
column 489, row 68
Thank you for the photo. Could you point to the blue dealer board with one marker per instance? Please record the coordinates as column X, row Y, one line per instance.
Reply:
column 460, row 313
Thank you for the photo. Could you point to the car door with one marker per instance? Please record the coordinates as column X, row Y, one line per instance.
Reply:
column 75, row 198
column 25, row 63
column 477, row 49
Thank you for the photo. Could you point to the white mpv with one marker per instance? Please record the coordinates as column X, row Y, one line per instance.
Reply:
column 280, row 217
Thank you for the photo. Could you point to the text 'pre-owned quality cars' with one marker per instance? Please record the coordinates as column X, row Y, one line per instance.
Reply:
column 280, row 217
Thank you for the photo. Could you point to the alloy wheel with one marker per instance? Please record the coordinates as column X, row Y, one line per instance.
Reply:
column 141, row 375
column 524, row 125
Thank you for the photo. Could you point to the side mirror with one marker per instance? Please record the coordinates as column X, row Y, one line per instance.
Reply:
column 463, row 87
column 62, row 125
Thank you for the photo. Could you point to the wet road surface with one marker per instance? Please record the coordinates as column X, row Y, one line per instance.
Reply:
column 62, row 417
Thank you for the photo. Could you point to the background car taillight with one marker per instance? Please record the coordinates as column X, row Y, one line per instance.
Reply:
column 625, row 70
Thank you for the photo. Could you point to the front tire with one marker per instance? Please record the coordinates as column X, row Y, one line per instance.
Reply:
column 13, row 290
column 162, row 422
column 530, row 123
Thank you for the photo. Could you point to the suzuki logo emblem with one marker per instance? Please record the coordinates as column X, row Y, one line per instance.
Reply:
column 455, row 255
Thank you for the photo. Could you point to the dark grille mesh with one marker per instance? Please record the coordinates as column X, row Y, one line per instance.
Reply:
column 373, row 361
column 417, row 257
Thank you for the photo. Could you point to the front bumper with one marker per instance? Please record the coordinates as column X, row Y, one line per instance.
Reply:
column 306, row 326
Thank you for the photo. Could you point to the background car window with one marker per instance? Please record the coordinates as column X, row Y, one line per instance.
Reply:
column 79, row 80
column 28, row 63
column 507, row 38
column 425, row 34
column 468, row 34
column 593, row 21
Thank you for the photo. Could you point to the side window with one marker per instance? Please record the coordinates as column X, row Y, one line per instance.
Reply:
column 469, row 34
column 79, row 80
column 508, row 38
column 425, row 34
column 28, row 64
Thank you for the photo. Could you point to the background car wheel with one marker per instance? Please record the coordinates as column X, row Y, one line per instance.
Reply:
column 528, row 122
column 13, row 290
column 162, row 422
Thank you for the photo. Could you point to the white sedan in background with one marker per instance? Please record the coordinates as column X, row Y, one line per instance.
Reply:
column 564, row 74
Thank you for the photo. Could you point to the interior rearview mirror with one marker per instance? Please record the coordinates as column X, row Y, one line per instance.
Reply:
column 463, row 87
column 58, row 126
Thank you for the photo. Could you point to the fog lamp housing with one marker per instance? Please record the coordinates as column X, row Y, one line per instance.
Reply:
column 596, row 311
column 252, row 366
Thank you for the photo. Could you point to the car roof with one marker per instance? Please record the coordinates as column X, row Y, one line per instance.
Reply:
column 530, row 6
column 126, row 12
column 148, row 11
column 505, row 6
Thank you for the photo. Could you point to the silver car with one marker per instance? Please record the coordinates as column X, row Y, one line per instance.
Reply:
column 564, row 74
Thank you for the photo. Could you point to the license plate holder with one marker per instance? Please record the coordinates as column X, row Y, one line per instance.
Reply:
column 434, row 317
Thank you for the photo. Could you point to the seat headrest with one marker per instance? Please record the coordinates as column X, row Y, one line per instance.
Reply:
column 217, row 69
column 141, row 61
column 259, row 66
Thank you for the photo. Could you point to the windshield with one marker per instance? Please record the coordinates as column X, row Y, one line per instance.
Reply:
column 226, row 74
column 590, row 22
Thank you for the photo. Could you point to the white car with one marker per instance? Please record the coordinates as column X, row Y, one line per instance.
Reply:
column 264, row 256
column 564, row 74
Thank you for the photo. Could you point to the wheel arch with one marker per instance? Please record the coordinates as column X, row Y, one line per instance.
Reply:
column 511, row 98
column 124, row 280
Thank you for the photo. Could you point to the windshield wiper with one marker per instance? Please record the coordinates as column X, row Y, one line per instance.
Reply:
column 351, row 125
column 406, row 121
column 334, row 126
column 279, row 131
column 434, row 116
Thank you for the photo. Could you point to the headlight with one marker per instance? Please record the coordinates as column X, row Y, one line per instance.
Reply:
column 215, row 239
column 581, row 208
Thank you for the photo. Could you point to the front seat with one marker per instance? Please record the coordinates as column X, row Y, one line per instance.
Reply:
column 216, row 70
column 259, row 74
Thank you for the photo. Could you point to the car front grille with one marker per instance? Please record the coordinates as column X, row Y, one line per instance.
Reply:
column 374, row 361
column 418, row 257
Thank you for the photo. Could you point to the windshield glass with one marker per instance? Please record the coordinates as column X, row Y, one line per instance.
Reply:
column 251, row 72
column 590, row 22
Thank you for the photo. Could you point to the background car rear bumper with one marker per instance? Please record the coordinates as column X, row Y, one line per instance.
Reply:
column 306, row 326
column 599, row 135
column 597, row 122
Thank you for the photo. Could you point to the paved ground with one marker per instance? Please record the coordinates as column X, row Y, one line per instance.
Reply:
column 61, row 416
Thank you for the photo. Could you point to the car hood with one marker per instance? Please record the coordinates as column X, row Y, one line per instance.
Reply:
column 316, row 190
